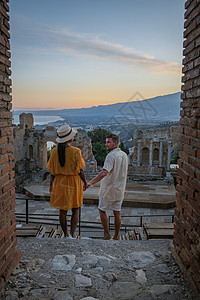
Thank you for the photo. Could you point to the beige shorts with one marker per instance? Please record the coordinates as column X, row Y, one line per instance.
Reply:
column 114, row 205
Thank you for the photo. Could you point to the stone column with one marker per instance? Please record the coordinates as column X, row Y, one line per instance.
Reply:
column 151, row 152
column 169, row 155
column 139, row 152
column 161, row 152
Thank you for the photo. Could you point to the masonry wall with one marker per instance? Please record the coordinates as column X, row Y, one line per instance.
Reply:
column 9, row 256
column 186, row 244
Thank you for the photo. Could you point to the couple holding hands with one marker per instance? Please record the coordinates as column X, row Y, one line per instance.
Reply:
column 66, row 166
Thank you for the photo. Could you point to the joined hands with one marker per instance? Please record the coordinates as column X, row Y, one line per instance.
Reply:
column 86, row 185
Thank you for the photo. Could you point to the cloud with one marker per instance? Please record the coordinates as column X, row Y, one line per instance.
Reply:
column 92, row 46
column 49, row 41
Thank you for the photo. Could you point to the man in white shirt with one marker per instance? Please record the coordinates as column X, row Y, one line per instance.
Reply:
column 113, row 182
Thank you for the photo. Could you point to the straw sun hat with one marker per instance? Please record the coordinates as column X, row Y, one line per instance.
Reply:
column 65, row 133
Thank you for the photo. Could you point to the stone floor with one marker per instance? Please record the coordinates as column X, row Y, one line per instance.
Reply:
column 63, row 269
column 137, row 194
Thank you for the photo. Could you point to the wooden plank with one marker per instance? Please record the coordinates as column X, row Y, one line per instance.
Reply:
column 27, row 226
column 26, row 233
column 142, row 236
column 159, row 233
column 159, row 225
column 57, row 234
column 131, row 235
column 48, row 232
column 41, row 233
column 25, row 230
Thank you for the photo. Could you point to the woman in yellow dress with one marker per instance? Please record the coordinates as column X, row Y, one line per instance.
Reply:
column 66, row 165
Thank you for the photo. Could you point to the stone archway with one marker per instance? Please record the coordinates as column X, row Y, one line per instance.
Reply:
column 145, row 156
column 49, row 135
column 30, row 151
column 155, row 156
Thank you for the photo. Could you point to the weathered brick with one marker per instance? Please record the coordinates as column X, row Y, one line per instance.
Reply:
column 6, row 131
column 5, row 114
column 4, row 30
column 10, row 139
column 191, row 56
column 3, row 140
column 195, row 185
column 3, row 12
column 188, row 67
column 8, row 186
column 193, row 123
column 6, row 24
column 10, row 231
column 12, row 174
column 193, row 93
column 3, row 231
column 192, row 15
column 196, row 113
column 188, row 48
column 13, row 260
column 184, row 121
column 3, row 159
column 189, row 28
column 11, row 157
column 187, row 3
column 8, row 71
column 182, row 174
column 190, row 103
column 193, row 73
column 7, row 168
column 194, row 162
column 6, row 149
column 197, row 42
column 196, row 82
column 190, row 7
column 185, row 139
column 4, row 179
column 189, row 131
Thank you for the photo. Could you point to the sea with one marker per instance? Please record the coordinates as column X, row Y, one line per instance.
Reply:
column 39, row 120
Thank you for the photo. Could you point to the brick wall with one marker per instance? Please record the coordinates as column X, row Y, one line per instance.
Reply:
column 186, row 244
column 9, row 256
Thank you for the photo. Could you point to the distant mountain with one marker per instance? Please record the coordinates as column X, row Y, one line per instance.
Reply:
column 161, row 108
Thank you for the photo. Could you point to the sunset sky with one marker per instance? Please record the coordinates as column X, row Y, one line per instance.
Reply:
column 81, row 53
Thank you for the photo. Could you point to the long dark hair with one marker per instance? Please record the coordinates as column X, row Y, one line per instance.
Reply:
column 61, row 153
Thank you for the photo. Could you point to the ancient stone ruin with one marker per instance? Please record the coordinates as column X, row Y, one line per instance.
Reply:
column 152, row 152
column 30, row 149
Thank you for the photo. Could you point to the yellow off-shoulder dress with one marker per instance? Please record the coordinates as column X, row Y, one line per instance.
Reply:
column 67, row 192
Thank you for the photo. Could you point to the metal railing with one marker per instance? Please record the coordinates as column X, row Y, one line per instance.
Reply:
column 82, row 224
column 141, row 217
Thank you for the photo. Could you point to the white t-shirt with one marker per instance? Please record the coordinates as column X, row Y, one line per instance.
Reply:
column 113, row 185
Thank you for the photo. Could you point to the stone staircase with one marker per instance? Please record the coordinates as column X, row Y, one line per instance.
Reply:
column 148, row 231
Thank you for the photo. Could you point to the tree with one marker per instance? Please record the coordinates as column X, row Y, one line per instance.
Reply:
column 100, row 151
column 98, row 138
column 123, row 148
column 98, row 135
